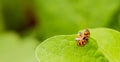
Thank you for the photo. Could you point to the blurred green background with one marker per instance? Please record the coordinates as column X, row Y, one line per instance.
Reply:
column 37, row 20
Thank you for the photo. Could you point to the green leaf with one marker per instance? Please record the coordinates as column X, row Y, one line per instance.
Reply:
column 15, row 49
column 103, row 46
column 68, row 16
column 109, row 42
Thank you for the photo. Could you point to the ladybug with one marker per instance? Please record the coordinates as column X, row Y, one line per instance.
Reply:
column 83, row 38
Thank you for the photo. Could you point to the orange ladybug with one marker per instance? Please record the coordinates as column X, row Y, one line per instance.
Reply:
column 83, row 38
